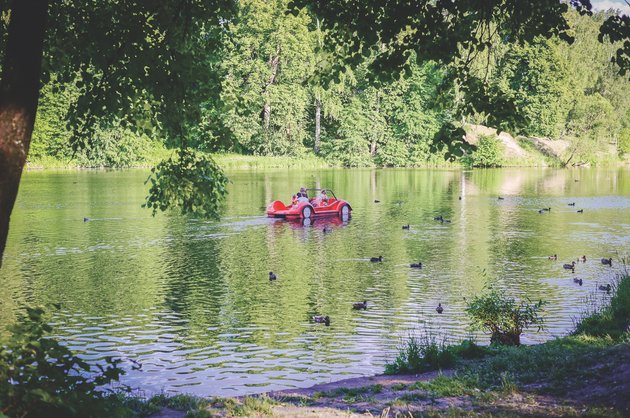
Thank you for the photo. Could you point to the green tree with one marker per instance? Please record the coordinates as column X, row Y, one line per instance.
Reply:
column 489, row 152
column 193, row 72
column 589, row 119
column 594, row 77
column 535, row 78
column 414, row 115
column 450, row 33
column 50, row 135
column 147, row 65
column 264, row 90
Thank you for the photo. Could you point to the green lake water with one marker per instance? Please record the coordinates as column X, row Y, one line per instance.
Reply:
column 191, row 301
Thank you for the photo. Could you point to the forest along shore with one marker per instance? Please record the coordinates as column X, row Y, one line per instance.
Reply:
column 584, row 374
column 494, row 149
column 546, row 89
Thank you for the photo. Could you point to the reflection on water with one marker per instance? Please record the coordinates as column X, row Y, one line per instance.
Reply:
column 191, row 299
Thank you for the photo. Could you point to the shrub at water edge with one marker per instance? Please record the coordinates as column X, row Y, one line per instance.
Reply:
column 504, row 317
column 39, row 377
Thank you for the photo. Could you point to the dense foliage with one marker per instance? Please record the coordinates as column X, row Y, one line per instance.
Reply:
column 489, row 153
column 503, row 316
column 39, row 377
column 190, row 181
column 278, row 97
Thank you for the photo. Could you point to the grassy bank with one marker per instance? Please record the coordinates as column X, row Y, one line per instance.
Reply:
column 231, row 161
column 228, row 161
column 246, row 162
column 572, row 376
column 584, row 374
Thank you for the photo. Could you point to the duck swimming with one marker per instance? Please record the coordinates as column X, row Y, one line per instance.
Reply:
column 580, row 211
column 605, row 288
column 360, row 305
column 553, row 257
column 405, row 226
column 572, row 204
column 578, row 281
column 607, row 261
column 439, row 308
column 416, row 265
column 322, row 319
column 376, row 259
column 438, row 218
column 569, row 266
column 272, row 276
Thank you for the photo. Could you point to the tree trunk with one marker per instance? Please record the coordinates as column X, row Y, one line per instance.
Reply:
column 19, row 92
column 266, row 115
column 318, row 127
column 274, row 61
column 505, row 338
column 374, row 137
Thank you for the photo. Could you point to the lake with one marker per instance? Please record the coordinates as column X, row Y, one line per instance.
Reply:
column 191, row 301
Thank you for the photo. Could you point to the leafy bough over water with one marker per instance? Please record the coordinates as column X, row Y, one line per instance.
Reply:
column 191, row 181
column 40, row 377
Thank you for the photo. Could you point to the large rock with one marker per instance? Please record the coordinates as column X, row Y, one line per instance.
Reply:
column 511, row 146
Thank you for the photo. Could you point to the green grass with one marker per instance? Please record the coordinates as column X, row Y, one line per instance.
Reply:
column 227, row 161
column 411, row 397
column 612, row 320
column 456, row 385
column 247, row 162
column 349, row 392
column 251, row 406
column 558, row 367
column 195, row 407
column 423, row 354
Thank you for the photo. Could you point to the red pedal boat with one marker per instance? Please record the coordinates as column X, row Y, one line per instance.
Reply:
column 324, row 203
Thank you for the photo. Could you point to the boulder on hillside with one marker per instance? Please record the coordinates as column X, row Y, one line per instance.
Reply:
column 511, row 145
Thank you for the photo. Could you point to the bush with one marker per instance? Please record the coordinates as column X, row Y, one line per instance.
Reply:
column 489, row 152
column 503, row 316
column 39, row 377
column 115, row 148
column 417, row 356
column 614, row 319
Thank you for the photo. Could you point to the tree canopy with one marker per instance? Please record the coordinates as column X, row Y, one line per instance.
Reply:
column 357, row 82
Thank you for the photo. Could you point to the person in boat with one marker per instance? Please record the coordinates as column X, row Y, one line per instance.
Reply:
column 294, row 200
column 301, row 198
column 321, row 199
column 303, row 192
